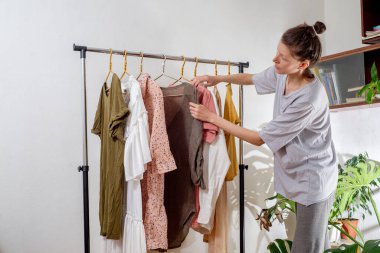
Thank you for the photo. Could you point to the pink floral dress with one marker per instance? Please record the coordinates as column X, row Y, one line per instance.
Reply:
column 154, row 214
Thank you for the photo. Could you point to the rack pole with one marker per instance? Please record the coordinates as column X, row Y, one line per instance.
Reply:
column 160, row 56
column 242, row 167
column 84, row 168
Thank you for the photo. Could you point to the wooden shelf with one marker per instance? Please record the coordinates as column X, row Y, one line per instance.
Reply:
column 343, row 74
column 373, row 40
column 346, row 71
column 350, row 106
column 370, row 10
column 350, row 52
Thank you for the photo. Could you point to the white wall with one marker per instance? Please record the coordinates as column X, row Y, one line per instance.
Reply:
column 41, row 130
column 343, row 21
column 355, row 130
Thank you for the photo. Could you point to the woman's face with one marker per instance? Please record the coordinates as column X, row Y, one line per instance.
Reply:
column 285, row 63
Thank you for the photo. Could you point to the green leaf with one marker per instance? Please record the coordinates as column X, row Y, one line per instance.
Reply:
column 369, row 96
column 378, row 86
column 344, row 249
column 280, row 246
column 374, row 73
column 372, row 246
column 363, row 89
column 354, row 185
column 272, row 247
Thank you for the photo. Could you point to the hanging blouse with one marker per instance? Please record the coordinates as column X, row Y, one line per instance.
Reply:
column 185, row 138
column 154, row 213
column 218, row 238
column 136, row 155
column 231, row 115
column 218, row 164
column 109, row 124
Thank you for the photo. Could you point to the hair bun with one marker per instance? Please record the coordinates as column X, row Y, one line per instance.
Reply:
column 319, row 27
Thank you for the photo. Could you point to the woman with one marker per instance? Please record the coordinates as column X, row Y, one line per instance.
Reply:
column 299, row 135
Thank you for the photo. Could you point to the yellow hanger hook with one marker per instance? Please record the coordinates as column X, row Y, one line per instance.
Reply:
column 196, row 66
column 125, row 61
column 216, row 68
column 141, row 62
column 183, row 65
column 110, row 65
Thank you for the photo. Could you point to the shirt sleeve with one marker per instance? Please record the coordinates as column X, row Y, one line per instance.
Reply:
column 159, row 141
column 119, row 113
column 137, row 152
column 209, row 130
column 265, row 81
column 97, row 127
column 285, row 127
column 117, row 123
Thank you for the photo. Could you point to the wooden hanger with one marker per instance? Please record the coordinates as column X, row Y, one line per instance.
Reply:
column 141, row 64
column 110, row 66
column 216, row 73
column 229, row 69
column 182, row 70
column 125, row 65
column 196, row 66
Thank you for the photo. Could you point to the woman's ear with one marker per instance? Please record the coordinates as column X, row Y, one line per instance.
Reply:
column 304, row 65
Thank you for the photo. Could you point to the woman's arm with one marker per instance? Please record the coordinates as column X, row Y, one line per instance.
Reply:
column 244, row 79
column 201, row 113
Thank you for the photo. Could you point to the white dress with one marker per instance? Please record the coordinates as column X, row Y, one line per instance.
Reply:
column 218, row 164
column 136, row 155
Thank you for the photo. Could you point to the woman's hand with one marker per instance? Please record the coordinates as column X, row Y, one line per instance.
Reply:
column 200, row 112
column 205, row 80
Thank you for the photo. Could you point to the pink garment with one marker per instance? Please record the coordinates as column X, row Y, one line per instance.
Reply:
column 194, row 223
column 209, row 130
column 154, row 213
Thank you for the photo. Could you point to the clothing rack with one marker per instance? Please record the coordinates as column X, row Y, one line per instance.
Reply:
column 85, row 168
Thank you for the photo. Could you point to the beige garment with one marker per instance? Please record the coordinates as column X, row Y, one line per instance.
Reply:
column 217, row 240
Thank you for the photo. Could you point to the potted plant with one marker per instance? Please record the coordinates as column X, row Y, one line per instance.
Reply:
column 354, row 191
column 349, row 223
column 372, row 88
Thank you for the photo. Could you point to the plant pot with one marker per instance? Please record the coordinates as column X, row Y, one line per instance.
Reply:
column 334, row 233
column 348, row 228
